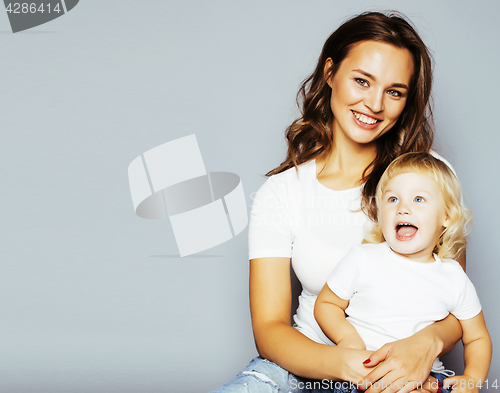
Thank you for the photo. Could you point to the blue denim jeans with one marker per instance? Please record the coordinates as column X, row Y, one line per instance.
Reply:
column 263, row 376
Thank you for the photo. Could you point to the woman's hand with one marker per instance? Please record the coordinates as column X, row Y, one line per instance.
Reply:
column 401, row 366
column 431, row 385
column 347, row 363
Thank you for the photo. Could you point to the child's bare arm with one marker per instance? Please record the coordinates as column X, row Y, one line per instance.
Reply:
column 477, row 356
column 329, row 312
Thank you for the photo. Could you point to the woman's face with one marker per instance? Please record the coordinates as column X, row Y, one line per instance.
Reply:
column 369, row 91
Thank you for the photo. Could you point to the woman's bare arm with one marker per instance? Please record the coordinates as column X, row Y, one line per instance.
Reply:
column 276, row 340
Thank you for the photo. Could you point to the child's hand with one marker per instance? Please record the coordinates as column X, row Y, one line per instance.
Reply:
column 353, row 341
column 462, row 384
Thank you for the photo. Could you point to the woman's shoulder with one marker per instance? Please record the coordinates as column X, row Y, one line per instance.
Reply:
column 293, row 179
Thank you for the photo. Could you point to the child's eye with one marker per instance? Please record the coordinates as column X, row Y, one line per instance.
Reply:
column 395, row 93
column 361, row 81
column 392, row 199
column 419, row 199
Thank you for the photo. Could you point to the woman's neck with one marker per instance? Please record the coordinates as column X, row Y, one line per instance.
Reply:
column 343, row 167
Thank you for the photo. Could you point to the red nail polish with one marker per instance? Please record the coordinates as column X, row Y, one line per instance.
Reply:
column 439, row 390
column 367, row 361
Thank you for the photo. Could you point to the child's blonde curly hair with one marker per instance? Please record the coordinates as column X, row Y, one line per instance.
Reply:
column 453, row 239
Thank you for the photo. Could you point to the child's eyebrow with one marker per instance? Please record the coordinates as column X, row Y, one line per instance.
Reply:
column 413, row 191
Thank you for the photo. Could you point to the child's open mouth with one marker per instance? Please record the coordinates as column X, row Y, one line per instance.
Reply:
column 405, row 231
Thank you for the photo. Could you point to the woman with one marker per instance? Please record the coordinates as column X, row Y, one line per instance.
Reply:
column 366, row 103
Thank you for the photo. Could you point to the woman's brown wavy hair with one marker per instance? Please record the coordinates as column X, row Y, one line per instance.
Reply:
column 310, row 135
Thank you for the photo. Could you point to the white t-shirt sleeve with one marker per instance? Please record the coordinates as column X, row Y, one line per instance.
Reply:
column 342, row 280
column 269, row 232
column 467, row 305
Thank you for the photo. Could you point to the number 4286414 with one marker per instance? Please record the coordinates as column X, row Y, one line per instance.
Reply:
column 464, row 384
column 32, row 8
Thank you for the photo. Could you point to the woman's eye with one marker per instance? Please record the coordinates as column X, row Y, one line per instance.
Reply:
column 361, row 82
column 395, row 93
column 393, row 199
column 419, row 199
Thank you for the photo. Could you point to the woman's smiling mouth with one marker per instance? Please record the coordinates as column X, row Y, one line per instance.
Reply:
column 365, row 119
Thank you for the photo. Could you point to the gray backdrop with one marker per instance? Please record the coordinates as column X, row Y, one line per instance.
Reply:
column 91, row 299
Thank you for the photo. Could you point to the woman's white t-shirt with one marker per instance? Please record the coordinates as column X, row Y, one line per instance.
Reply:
column 295, row 216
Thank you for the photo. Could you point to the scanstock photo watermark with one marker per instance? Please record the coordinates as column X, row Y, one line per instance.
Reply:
column 25, row 15
column 361, row 385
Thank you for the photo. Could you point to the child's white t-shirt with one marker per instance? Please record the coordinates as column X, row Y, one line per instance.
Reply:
column 392, row 297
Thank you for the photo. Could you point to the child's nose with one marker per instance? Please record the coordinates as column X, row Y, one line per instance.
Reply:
column 403, row 209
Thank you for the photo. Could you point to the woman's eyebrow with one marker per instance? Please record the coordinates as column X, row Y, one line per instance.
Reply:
column 372, row 77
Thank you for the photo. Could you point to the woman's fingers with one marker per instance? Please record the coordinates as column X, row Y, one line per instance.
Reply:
column 392, row 382
column 431, row 385
column 379, row 379
column 385, row 383
column 376, row 357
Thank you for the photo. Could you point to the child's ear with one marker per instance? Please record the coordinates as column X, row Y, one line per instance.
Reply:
column 446, row 222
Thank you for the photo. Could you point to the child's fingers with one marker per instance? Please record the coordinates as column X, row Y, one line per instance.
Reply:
column 450, row 382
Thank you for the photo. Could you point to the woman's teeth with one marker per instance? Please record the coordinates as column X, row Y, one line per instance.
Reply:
column 364, row 119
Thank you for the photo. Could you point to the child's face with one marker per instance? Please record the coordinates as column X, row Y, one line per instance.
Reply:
column 412, row 215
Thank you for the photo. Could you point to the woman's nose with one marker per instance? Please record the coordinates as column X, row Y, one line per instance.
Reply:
column 375, row 100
